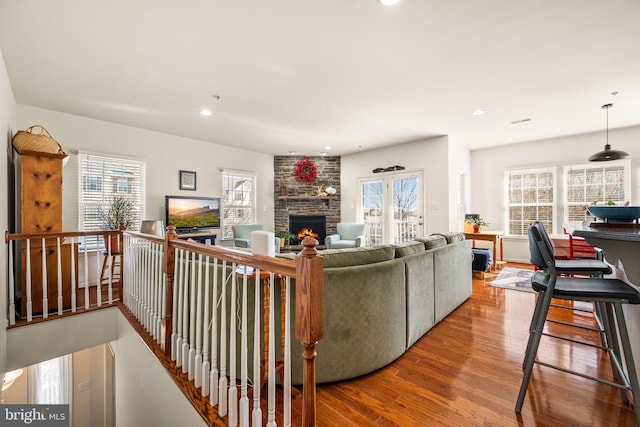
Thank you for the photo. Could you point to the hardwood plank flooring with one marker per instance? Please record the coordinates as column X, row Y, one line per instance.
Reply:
column 467, row 370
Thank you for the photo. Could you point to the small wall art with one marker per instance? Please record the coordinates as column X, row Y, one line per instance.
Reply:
column 187, row 180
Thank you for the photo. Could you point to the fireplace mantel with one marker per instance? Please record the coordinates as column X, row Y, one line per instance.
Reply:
column 285, row 199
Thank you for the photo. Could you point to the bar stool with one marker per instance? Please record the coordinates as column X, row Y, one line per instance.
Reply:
column 115, row 259
column 611, row 293
column 571, row 267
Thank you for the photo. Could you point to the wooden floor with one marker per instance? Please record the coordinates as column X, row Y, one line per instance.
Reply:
column 467, row 370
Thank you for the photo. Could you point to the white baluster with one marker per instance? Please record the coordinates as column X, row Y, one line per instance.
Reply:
column 233, row 390
column 74, row 295
column 222, row 386
column 45, row 290
column 12, row 290
column 206, row 366
column 287, row 353
column 86, row 277
column 244, row 371
column 213, row 375
column 185, row 314
column 99, row 287
column 257, row 377
column 28, row 283
column 198, row 359
column 192, row 318
column 271, row 382
column 176, row 336
column 59, row 257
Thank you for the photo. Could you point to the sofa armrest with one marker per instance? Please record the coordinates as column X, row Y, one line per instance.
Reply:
column 331, row 239
column 359, row 241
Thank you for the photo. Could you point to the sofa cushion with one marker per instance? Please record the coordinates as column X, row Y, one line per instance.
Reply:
column 408, row 248
column 451, row 237
column 433, row 241
column 357, row 256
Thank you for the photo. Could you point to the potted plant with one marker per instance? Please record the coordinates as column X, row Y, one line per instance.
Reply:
column 477, row 222
column 119, row 214
column 284, row 236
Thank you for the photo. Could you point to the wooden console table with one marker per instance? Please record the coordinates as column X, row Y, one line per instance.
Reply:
column 199, row 237
column 492, row 236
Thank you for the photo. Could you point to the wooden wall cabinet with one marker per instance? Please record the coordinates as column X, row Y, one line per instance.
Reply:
column 39, row 210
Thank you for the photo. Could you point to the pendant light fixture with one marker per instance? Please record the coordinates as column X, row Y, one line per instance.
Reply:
column 608, row 153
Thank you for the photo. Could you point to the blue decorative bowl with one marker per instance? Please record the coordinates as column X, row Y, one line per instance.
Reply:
column 615, row 213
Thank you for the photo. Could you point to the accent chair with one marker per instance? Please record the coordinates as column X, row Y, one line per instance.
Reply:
column 242, row 234
column 350, row 235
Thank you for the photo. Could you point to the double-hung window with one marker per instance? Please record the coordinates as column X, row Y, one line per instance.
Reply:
column 99, row 179
column 601, row 183
column 530, row 196
column 238, row 200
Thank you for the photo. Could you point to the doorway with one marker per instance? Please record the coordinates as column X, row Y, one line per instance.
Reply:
column 392, row 206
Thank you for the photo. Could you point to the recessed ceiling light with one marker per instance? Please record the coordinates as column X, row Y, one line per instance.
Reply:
column 388, row 2
column 478, row 112
column 205, row 112
column 327, row 147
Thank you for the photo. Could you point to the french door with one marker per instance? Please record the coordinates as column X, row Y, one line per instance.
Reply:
column 392, row 207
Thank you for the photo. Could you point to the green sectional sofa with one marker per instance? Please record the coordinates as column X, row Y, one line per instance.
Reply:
column 378, row 301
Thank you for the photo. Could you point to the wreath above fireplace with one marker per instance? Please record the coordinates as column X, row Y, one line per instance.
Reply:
column 305, row 171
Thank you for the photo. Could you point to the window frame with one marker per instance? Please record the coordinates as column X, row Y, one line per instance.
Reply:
column 508, row 174
column 103, row 173
column 235, row 213
column 566, row 169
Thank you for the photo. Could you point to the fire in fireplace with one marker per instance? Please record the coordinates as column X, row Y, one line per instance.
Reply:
column 306, row 232
column 308, row 225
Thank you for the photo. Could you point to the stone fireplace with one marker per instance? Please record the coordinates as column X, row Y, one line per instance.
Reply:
column 297, row 199
column 313, row 225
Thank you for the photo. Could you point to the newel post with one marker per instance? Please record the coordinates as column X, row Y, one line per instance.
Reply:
column 169, row 270
column 309, row 321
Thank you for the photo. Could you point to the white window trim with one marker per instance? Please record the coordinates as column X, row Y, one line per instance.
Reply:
column 223, row 199
column 626, row 164
column 507, row 204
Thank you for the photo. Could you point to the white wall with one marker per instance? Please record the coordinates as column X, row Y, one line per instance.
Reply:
column 145, row 393
column 488, row 166
column 429, row 155
column 7, row 127
column 165, row 155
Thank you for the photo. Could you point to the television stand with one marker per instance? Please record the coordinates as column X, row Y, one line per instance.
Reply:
column 199, row 236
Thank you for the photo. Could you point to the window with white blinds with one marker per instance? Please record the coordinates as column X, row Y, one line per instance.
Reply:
column 99, row 179
column 530, row 196
column 238, row 200
column 602, row 182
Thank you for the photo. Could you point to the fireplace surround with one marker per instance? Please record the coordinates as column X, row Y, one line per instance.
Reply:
column 293, row 198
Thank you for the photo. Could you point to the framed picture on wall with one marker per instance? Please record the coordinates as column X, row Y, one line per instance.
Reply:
column 187, row 180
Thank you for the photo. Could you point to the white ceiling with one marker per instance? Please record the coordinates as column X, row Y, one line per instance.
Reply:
column 297, row 75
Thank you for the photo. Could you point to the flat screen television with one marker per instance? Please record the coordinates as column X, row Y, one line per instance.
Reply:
column 187, row 213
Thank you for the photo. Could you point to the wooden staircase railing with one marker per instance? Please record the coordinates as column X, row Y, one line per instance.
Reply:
column 192, row 301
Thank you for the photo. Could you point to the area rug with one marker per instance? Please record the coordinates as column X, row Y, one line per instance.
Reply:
column 514, row 278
